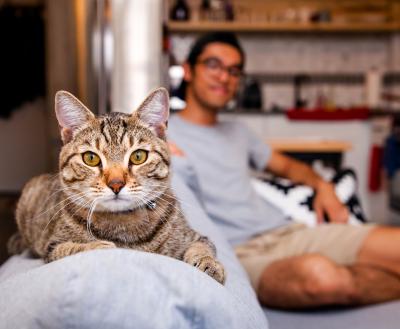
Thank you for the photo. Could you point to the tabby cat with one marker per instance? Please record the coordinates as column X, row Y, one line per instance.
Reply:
column 112, row 191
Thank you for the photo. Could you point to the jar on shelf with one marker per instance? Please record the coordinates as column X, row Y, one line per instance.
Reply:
column 217, row 11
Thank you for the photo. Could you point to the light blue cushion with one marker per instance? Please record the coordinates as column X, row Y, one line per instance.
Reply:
column 129, row 289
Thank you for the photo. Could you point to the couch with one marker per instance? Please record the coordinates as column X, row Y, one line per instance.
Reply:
column 130, row 289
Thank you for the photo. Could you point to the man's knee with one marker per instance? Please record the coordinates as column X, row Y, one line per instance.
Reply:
column 326, row 282
column 307, row 280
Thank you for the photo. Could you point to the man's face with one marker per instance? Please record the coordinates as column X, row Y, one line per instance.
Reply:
column 214, row 79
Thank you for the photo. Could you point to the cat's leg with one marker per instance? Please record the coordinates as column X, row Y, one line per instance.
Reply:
column 70, row 248
column 16, row 244
column 201, row 254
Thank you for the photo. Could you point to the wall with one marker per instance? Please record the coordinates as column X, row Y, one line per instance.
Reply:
column 23, row 146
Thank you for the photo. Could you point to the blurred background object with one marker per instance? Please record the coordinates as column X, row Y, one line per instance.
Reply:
column 21, row 75
column 180, row 11
column 137, row 28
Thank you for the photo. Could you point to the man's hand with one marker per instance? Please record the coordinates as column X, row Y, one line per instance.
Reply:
column 327, row 202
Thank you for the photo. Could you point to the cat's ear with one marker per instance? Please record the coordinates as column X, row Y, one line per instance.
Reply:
column 71, row 114
column 154, row 111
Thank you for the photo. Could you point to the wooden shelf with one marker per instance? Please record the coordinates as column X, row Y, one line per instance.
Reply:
column 308, row 146
column 201, row 26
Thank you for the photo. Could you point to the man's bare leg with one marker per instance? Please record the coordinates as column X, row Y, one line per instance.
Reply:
column 382, row 248
column 313, row 280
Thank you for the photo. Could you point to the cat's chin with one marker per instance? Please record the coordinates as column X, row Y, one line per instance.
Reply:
column 116, row 205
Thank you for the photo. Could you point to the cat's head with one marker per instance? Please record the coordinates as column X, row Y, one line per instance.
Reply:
column 118, row 161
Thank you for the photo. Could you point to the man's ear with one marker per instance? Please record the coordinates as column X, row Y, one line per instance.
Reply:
column 187, row 72
column 71, row 114
column 154, row 111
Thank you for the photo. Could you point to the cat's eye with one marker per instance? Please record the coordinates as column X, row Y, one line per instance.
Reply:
column 138, row 157
column 91, row 159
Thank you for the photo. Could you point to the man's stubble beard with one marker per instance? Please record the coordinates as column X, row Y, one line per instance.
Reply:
column 206, row 105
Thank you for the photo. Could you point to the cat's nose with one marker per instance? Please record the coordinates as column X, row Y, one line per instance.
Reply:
column 116, row 185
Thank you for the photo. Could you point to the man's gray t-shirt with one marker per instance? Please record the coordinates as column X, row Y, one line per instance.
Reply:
column 221, row 157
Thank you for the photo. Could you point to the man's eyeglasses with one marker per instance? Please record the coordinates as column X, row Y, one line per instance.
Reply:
column 215, row 66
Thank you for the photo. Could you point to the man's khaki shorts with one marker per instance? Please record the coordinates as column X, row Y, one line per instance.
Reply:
column 339, row 242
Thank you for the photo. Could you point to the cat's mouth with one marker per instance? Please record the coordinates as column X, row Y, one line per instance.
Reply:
column 117, row 203
column 119, row 198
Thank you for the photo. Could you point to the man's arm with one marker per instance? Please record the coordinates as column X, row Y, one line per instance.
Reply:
column 325, row 201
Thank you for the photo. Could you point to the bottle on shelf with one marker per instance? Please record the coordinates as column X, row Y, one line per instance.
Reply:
column 180, row 11
column 229, row 12
column 373, row 86
column 205, row 10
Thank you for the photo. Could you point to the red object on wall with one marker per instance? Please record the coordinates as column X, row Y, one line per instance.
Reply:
column 323, row 115
column 374, row 181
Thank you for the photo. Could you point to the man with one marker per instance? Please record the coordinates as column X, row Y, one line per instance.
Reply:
column 290, row 265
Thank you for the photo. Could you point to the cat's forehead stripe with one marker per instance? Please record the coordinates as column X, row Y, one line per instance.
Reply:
column 102, row 130
column 114, row 129
column 124, row 126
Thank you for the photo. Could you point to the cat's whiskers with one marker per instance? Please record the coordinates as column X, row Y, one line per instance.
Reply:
column 54, row 215
column 89, row 217
column 187, row 204
column 142, row 207
column 175, row 206
column 141, row 195
column 54, row 194
column 151, row 184
column 147, row 193
column 57, row 191
column 159, row 215
column 81, row 207
column 56, row 205
column 137, row 204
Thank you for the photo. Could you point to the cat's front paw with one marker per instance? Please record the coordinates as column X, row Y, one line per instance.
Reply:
column 102, row 244
column 70, row 248
column 212, row 267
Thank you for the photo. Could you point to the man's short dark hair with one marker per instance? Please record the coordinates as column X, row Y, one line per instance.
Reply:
column 221, row 37
column 198, row 47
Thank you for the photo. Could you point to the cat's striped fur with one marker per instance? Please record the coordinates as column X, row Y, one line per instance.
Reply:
column 81, row 209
